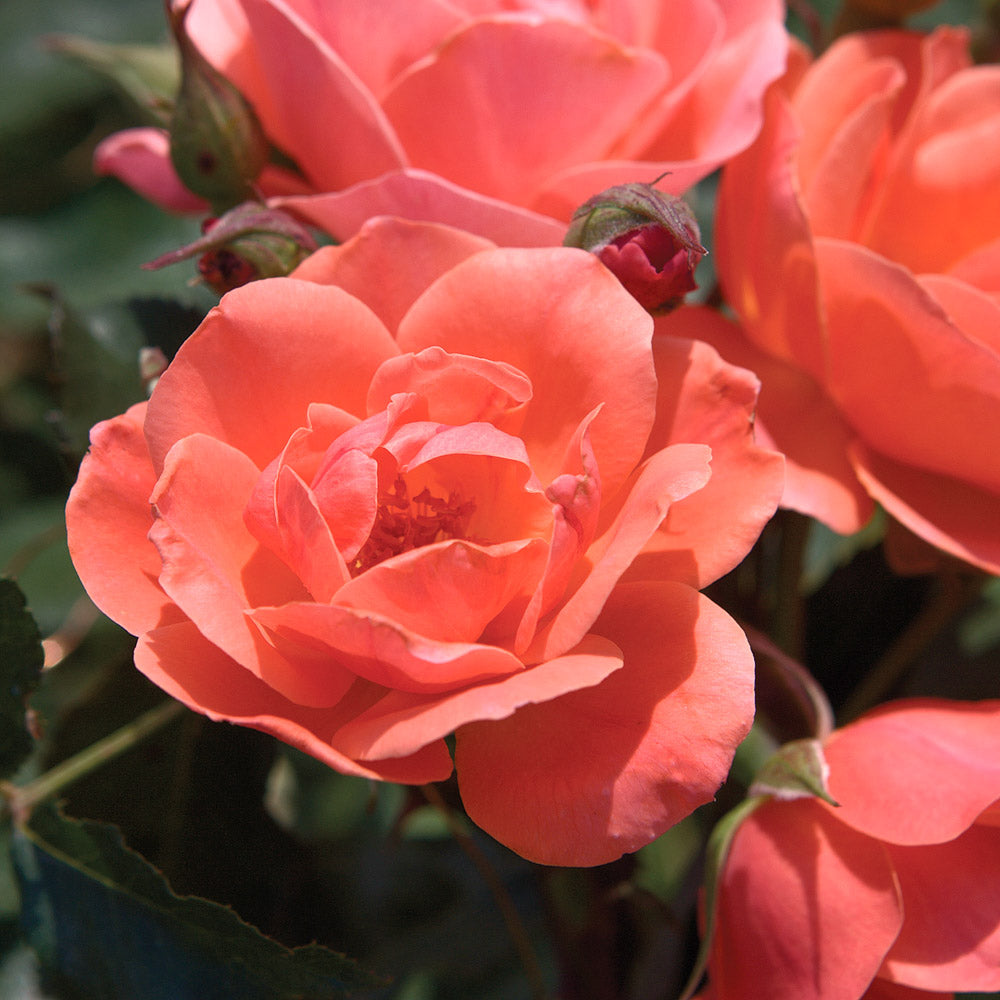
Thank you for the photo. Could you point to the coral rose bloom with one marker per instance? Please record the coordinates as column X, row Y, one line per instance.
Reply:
column 859, row 241
column 364, row 519
column 498, row 116
column 896, row 891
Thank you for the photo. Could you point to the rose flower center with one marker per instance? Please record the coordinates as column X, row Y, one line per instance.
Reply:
column 403, row 523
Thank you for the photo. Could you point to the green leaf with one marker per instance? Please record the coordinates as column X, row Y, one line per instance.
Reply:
column 21, row 660
column 104, row 920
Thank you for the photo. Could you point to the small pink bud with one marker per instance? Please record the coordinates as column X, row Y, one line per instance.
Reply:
column 649, row 240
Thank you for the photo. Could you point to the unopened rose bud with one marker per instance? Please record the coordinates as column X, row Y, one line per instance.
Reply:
column 649, row 240
column 217, row 145
column 249, row 242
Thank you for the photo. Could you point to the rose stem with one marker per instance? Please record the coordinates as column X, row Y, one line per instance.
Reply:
column 515, row 926
column 22, row 799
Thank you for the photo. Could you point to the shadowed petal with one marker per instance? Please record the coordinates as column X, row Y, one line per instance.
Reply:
column 407, row 720
column 951, row 936
column 806, row 910
column 188, row 667
column 584, row 778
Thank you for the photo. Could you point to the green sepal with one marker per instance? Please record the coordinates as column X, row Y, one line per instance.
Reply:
column 149, row 75
column 797, row 770
column 719, row 843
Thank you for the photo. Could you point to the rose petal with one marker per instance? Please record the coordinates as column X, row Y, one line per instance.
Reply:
column 304, row 342
column 495, row 106
column 764, row 249
column 579, row 337
column 943, row 200
column 380, row 649
column 292, row 60
column 666, row 477
column 409, row 720
column 806, row 910
column 414, row 254
column 216, row 570
column 581, row 779
column 457, row 388
column 188, row 667
column 705, row 400
column 140, row 158
column 951, row 935
column 107, row 520
column 879, row 319
column 917, row 772
column 953, row 516
column 423, row 196
column 450, row 591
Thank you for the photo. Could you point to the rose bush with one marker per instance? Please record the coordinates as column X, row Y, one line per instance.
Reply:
column 859, row 242
column 893, row 892
column 499, row 117
column 429, row 486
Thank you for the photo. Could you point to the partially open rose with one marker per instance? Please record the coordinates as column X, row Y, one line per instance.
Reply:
column 859, row 241
column 461, row 492
column 500, row 117
column 889, row 894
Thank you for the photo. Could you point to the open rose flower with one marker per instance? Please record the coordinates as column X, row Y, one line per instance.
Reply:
column 895, row 891
column 429, row 486
column 859, row 242
column 499, row 117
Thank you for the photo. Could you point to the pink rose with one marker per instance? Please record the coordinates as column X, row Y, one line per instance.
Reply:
column 859, row 242
column 498, row 117
column 428, row 486
column 890, row 894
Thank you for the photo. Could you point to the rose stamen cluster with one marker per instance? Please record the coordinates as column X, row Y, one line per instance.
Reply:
column 403, row 523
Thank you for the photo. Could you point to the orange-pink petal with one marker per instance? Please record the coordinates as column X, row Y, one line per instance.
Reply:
column 584, row 778
column 807, row 907
column 403, row 721
column 422, row 196
column 917, row 772
column 571, row 328
column 389, row 263
column 108, row 518
column 626, row 527
column 496, row 106
column 951, row 935
column 300, row 343
column 311, row 102
column 380, row 649
column 178, row 659
column 703, row 399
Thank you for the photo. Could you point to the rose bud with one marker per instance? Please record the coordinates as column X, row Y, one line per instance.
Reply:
column 648, row 239
column 249, row 242
column 217, row 145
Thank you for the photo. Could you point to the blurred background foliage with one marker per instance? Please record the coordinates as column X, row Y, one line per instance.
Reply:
column 301, row 852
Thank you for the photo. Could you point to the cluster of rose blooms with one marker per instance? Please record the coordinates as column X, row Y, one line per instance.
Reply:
column 450, row 476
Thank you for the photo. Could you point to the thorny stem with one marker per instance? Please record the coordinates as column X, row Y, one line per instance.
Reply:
column 21, row 799
column 515, row 926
